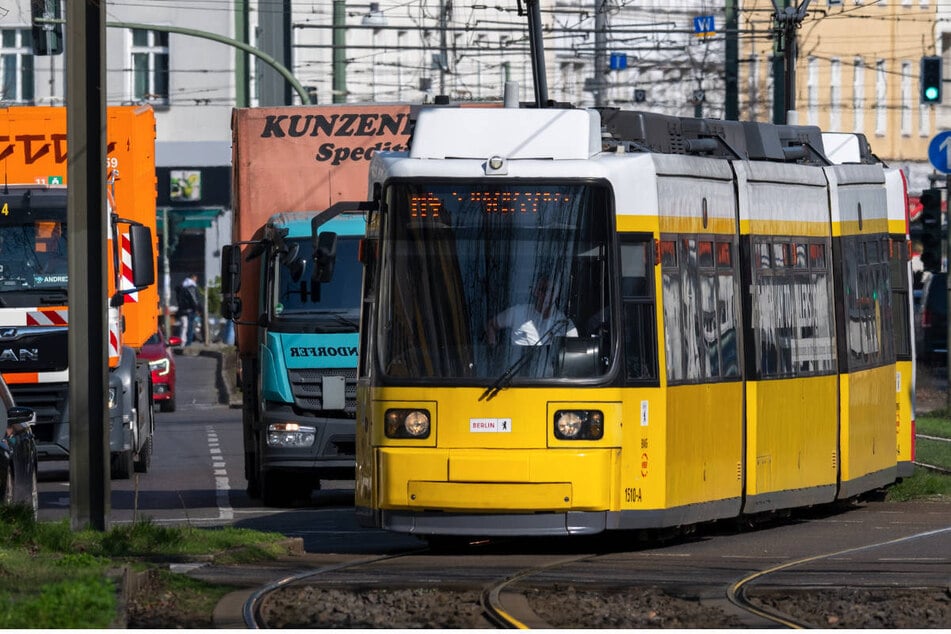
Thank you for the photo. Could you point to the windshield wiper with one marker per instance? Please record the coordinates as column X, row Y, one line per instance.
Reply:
column 506, row 378
column 346, row 320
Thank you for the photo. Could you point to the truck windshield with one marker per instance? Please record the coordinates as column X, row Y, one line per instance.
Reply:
column 481, row 281
column 336, row 301
column 33, row 256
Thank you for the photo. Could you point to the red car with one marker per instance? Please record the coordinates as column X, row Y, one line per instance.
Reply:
column 158, row 352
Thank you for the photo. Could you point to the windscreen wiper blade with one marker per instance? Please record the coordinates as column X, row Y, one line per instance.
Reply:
column 507, row 376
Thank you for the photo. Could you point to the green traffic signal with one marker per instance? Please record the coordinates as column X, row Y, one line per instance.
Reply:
column 931, row 79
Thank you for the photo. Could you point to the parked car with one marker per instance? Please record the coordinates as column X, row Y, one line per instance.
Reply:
column 933, row 320
column 158, row 352
column 17, row 452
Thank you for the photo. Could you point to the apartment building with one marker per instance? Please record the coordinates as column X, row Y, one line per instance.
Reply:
column 857, row 70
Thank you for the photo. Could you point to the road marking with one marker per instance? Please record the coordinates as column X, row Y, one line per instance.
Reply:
column 223, row 486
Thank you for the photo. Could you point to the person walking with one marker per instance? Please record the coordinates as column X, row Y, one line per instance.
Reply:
column 189, row 307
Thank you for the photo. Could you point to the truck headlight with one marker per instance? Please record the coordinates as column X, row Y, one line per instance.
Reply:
column 290, row 435
column 161, row 366
column 407, row 423
column 113, row 397
column 576, row 424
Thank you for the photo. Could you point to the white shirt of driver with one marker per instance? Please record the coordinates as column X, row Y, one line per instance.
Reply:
column 528, row 325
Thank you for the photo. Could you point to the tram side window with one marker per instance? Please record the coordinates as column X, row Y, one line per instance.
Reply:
column 869, row 317
column 700, row 317
column 898, row 276
column 637, row 306
column 792, row 309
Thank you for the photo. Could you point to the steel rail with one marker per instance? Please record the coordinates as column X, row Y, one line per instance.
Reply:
column 736, row 593
column 251, row 612
column 491, row 599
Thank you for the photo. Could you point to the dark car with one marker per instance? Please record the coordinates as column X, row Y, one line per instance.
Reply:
column 17, row 452
column 933, row 320
column 158, row 352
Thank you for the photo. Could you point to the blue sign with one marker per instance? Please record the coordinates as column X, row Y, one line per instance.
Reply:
column 939, row 152
column 618, row 61
column 703, row 25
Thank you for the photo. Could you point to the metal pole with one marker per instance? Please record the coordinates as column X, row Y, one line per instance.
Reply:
column 538, row 53
column 732, row 65
column 944, row 266
column 340, row 52
column 600, row 51
column 89, row 485
column 443, row 52
column 792, row 51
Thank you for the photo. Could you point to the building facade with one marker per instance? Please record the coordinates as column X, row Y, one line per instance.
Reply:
column 857, row 70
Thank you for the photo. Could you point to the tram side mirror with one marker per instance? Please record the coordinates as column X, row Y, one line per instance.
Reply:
column 325, row 255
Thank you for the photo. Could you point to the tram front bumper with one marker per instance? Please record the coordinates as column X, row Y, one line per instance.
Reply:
column 497, row 480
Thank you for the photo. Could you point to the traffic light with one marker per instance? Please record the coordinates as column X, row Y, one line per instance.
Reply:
column 47, row 37
column 931, row 79
column 931, row 229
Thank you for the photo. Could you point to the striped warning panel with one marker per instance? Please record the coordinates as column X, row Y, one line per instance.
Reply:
column 125, row 277
column 48, row 317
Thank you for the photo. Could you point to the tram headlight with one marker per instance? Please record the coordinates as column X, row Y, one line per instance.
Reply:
column 290, row 435
column 576, row 424
column 407, row 423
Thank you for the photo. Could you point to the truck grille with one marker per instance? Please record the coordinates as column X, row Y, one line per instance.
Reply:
column 307, row 387
column 47, row 400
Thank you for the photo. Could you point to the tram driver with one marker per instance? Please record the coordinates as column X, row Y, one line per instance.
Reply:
column 532, row 323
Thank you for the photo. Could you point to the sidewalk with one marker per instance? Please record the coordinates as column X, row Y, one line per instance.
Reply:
column 227, row 357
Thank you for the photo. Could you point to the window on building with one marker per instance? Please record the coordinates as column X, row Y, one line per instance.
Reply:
column 754, row 86
column 835, row 95
column 813, row 91
column 881, row 95
column 924, row 120
column 906, row 97
column 16, row 63
column 150, row 66
column 858, row 96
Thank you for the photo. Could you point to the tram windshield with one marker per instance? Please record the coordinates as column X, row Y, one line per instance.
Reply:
column 486, row 283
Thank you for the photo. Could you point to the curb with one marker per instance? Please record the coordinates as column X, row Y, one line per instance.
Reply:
column 226, row 372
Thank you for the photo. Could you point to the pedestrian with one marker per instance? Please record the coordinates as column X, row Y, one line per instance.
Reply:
column 189, row 307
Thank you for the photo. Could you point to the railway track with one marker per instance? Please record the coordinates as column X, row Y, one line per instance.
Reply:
column 693, row 584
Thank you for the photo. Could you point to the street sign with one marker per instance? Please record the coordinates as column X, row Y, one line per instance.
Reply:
column 618, row 61
column 939, row 152
column 703, row 26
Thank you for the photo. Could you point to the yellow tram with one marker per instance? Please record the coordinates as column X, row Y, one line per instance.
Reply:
column 581, row 320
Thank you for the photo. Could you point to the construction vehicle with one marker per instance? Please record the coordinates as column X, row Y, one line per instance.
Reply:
column 34, row 302
column 296, row 302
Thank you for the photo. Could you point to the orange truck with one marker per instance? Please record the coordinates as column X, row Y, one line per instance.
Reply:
column 296, row 300
column 34, row 302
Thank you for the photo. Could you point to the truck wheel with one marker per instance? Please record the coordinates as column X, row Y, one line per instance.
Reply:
column 144, row 461
column 122, row 465
column 167, row 406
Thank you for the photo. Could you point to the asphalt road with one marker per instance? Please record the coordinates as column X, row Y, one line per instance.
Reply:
column 197, row 477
